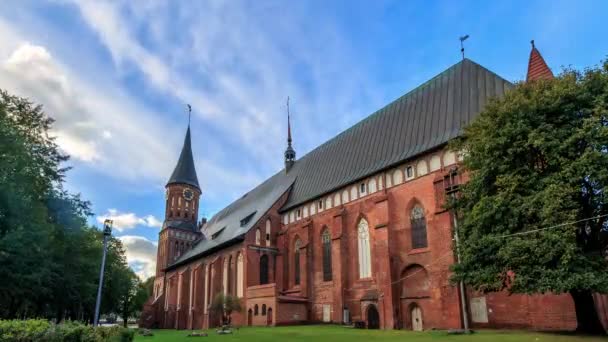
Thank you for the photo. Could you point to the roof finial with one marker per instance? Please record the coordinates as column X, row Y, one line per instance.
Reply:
column 288, row 124
column 532, row 42
column 462, row 39
column 189, row 113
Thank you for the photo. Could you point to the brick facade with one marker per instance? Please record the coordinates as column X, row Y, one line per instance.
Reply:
column 403, row 278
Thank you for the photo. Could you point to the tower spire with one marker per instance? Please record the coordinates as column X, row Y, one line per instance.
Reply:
column 288, row 124
column 537, row 67
column 290, row 153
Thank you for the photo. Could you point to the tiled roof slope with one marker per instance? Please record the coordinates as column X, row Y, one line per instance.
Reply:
column 537, row 67
column 184, row 172
column 422, row 119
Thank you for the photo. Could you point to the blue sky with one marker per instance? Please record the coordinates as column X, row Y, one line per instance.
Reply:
column 117, row 75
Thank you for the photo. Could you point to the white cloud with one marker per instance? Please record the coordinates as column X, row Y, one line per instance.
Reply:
column 123, row 221
column 141, row 255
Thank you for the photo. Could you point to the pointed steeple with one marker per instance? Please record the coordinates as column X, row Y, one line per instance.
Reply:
column 290, row 153
column 184, row 172
column 537, row 68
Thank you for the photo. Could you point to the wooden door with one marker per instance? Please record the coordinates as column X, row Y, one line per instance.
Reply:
column 269, row 317
column 416, row 319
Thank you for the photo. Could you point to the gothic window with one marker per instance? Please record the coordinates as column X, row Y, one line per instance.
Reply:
column 268, row 232
column 365, row 269
column 409, row 172
column 418, row 221
column 326, row 241
column 362, row 188
column 263, row 269
column 256, row 310
column 263, row 309
column 239, row 275
column 296, row 262
column 257, row 236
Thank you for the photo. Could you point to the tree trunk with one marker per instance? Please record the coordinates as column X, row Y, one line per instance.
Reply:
column 587, row 319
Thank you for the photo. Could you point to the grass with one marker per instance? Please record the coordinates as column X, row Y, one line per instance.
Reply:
column 332, row 333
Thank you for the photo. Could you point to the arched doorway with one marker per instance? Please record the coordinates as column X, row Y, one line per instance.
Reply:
column 373, row 318
column 416, row 315
column 249, row 317
column 269, row 317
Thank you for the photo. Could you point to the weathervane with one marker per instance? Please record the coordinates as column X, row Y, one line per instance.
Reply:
column 462, row 39
column 189, row 113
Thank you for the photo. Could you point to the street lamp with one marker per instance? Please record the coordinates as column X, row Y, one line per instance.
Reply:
column 107, row 231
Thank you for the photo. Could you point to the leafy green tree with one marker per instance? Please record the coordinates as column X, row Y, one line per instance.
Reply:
column 49, row 257
column 533, row 216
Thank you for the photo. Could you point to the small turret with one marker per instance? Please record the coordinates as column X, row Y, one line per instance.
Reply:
column 537, row 67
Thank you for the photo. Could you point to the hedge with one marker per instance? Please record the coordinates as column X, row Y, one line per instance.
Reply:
column 40, row 330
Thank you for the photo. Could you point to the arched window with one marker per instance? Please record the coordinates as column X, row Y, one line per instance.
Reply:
column 365, row 265
column 263, row 309
column 326, row 241
column 263, row 270
column 418, row 227
column 268, row 232
column 257, row 236
column 256, row 310
column 296, row 261
column 239, row 275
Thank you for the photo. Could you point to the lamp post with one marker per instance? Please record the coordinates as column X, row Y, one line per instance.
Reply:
column 107, row 231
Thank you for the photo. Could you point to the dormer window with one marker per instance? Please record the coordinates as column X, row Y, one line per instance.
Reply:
column 247, row 218
column 216, row 234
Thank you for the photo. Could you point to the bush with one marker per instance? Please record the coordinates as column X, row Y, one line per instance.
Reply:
column 38, row 330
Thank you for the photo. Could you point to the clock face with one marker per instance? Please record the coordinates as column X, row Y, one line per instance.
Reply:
column 188, row 194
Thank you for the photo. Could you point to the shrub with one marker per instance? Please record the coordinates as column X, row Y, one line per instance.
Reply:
column 38, row 330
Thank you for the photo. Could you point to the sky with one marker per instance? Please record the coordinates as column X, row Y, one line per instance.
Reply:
column 116, row 76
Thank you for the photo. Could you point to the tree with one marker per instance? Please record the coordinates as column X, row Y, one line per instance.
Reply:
column 538, row 160
column 49, row 257
column 226, row 304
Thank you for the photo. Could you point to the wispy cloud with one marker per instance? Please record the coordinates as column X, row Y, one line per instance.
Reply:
column 123, row 221
column 141, row 255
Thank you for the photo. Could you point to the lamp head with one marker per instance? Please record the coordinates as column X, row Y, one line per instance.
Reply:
column 107, row 227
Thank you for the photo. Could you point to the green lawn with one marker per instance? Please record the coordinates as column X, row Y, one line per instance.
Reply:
column 338, row 334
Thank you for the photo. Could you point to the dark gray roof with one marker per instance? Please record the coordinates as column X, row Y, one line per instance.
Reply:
column 232, row 222
column 423, row 119
column 184, row 172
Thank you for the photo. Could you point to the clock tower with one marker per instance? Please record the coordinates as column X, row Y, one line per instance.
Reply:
column 180, row 230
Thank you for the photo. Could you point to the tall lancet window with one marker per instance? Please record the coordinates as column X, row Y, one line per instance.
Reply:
column 239, row 275
column 418, row 221
column 326, row 241
column 296, row 261
column 365, row 264
column 264, row 269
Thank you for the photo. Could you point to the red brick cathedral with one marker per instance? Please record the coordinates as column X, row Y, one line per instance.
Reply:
column 354, row 231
